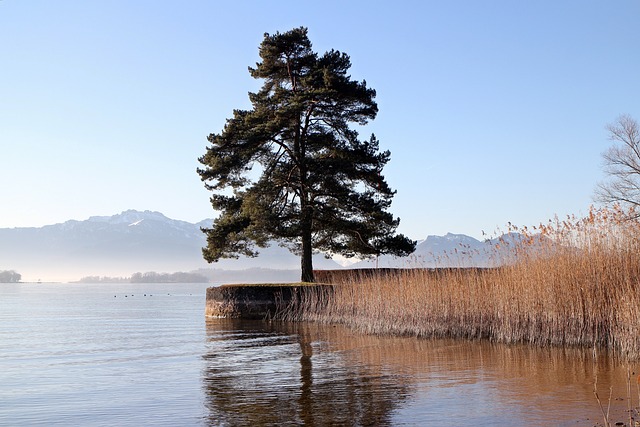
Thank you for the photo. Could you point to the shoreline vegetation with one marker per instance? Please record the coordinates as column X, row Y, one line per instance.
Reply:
column 571, row 282
column 149, row 277
column 10, row 276
column 202, row 275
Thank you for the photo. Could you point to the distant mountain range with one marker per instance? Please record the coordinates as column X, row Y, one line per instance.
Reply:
column 450, row 250
column 122, row 244
column 135, row 241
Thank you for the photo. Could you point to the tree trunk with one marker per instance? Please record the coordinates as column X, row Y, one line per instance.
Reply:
column 306, row 260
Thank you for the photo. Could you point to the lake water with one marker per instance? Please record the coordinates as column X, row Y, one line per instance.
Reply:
column 144, row 354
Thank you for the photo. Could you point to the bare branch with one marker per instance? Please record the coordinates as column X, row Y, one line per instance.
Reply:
column 622, row 164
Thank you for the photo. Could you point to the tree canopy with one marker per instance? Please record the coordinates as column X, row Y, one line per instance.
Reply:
column 292, row 170
column 622, row 165
column 9, row 276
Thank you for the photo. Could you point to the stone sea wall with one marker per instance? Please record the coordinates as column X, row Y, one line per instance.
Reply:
column 253, row 301
column 260, row 301
column 358, row 274
column 263, row 301
column 353, row 275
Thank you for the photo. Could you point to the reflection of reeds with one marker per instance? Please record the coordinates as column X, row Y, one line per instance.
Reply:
column 571, row 282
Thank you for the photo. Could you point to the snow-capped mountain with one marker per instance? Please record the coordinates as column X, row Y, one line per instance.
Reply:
column 122, row 244
column 450, row 250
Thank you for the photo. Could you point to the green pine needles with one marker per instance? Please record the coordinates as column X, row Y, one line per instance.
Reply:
column 292, row 170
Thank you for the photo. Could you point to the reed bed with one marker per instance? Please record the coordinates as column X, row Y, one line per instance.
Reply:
column 570, row 282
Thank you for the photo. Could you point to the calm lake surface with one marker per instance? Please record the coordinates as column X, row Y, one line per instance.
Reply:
column 144, row 354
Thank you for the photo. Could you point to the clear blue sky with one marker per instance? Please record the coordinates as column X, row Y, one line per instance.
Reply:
column 493, row 111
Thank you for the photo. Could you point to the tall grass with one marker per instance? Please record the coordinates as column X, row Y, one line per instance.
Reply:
column 569, row 282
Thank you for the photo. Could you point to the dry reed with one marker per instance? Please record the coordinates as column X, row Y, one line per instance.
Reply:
column 573, row 282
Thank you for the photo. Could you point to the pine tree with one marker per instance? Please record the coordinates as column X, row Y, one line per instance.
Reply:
column 292, row 170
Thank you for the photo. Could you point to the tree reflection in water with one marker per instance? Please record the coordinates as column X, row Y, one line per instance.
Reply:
column 260, row 373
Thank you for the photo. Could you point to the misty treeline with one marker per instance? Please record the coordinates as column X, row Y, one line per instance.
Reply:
column 149, row 277
column 104, row 279
column 179, row 277
column 9, row 276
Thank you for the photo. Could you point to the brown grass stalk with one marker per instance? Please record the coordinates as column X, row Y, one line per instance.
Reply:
column 573, row 282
